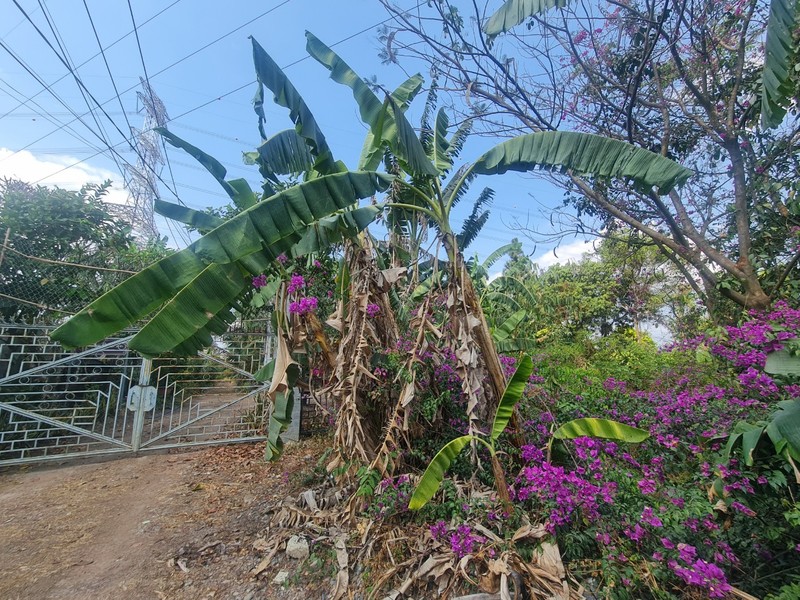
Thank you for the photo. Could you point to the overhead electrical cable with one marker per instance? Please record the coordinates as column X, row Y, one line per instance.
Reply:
column 80, row 84
column 67, row 60
column 152, row 99
column 88, row 60
column 30, row 71
column 177, row 62
column 220, row 97
column 49, row 117
column 108, row 67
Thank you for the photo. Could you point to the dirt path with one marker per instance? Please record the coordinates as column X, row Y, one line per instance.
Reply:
column 158, row 526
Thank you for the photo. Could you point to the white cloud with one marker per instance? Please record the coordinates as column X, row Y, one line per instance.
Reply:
column 494, row 276
column 563, row 254
column 59, row 170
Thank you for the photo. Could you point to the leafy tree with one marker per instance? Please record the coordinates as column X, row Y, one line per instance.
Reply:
column 625, row 283
column 681, row 79
column 50, row 229
column 519, row 265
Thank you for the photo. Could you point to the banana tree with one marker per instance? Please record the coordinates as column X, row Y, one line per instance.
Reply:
column 363, row 282
column 195, row 290
column 422, row 179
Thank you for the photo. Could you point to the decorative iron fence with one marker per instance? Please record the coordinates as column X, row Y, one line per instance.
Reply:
column 56, row 403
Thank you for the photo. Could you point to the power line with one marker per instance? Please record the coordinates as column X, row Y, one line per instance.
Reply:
column 111, row 148
column 88, row 60
column 233, row 91
column 81, row 85
column 177, row 62
column 52, row 120
column 56, row 96
column 28, row 115
column 67, row 60
column 108, row 67
column 291, row 64
column 154, row 107
column 237, row 89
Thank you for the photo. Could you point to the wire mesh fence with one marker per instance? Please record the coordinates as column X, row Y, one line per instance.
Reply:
column 34, row 288
column 55, row 402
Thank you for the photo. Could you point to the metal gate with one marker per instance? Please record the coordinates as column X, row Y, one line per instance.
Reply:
column 56, row 404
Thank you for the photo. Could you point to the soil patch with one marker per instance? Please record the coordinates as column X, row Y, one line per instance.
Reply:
column 165, row 526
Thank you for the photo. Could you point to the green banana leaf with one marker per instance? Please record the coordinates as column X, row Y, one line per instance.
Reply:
column 601, row 428
column 285, row 94
column 270, row 226
column 196, row 219
column 458, row 139
column 777, row 80
column 490, row 299
column 514, row 12
column 440, row 156
column 425, row 287
column 749, row 436
column 330, row 230
column 185, row 325
column 281, row 416
column 516, row 344
column 499, row 253
column 285, row 153
column 782, row 362
column 406, row 145
column 266, row 372
column 512, row 395
column 434, row 474
column 583, row 153
column 475, row 222
column 504, row 282
column 369, row 105
column 507, row 327
column 238, row 189
column 372, row 152
column 379, row 116
column 784, row 428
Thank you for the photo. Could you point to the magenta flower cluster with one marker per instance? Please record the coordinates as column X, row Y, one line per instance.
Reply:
column 373, row 310
column 464, row 541
column 391, row 497
column 748, row 344
column 509, row 364
column 568, row 496
column 259, row 281
column 438, row 530
column 296, row 284
column 304, row 306
column 698, row 572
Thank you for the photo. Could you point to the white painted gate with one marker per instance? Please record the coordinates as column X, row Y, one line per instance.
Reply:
column 56, row 403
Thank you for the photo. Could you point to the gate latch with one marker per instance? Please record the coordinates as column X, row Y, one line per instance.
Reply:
column 142, row 397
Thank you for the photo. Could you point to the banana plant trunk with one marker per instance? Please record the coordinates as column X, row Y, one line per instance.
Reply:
column 467, row 315
column 361, row 417
column 483, row 336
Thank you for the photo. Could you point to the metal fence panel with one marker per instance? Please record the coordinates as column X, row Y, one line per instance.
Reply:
column 56, row 403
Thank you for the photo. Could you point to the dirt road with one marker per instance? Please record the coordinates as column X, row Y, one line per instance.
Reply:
column 158, row 526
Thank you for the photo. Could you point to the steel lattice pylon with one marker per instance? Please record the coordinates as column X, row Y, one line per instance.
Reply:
column 141, row 180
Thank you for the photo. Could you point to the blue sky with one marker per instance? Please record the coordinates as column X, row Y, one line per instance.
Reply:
column 197, row 93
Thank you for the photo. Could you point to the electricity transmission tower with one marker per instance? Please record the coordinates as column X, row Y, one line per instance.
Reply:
column 141, row 179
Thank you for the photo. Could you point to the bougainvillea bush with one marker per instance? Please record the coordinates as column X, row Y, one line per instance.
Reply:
column 672, row 517
column 676, row 512
column 678, row 515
